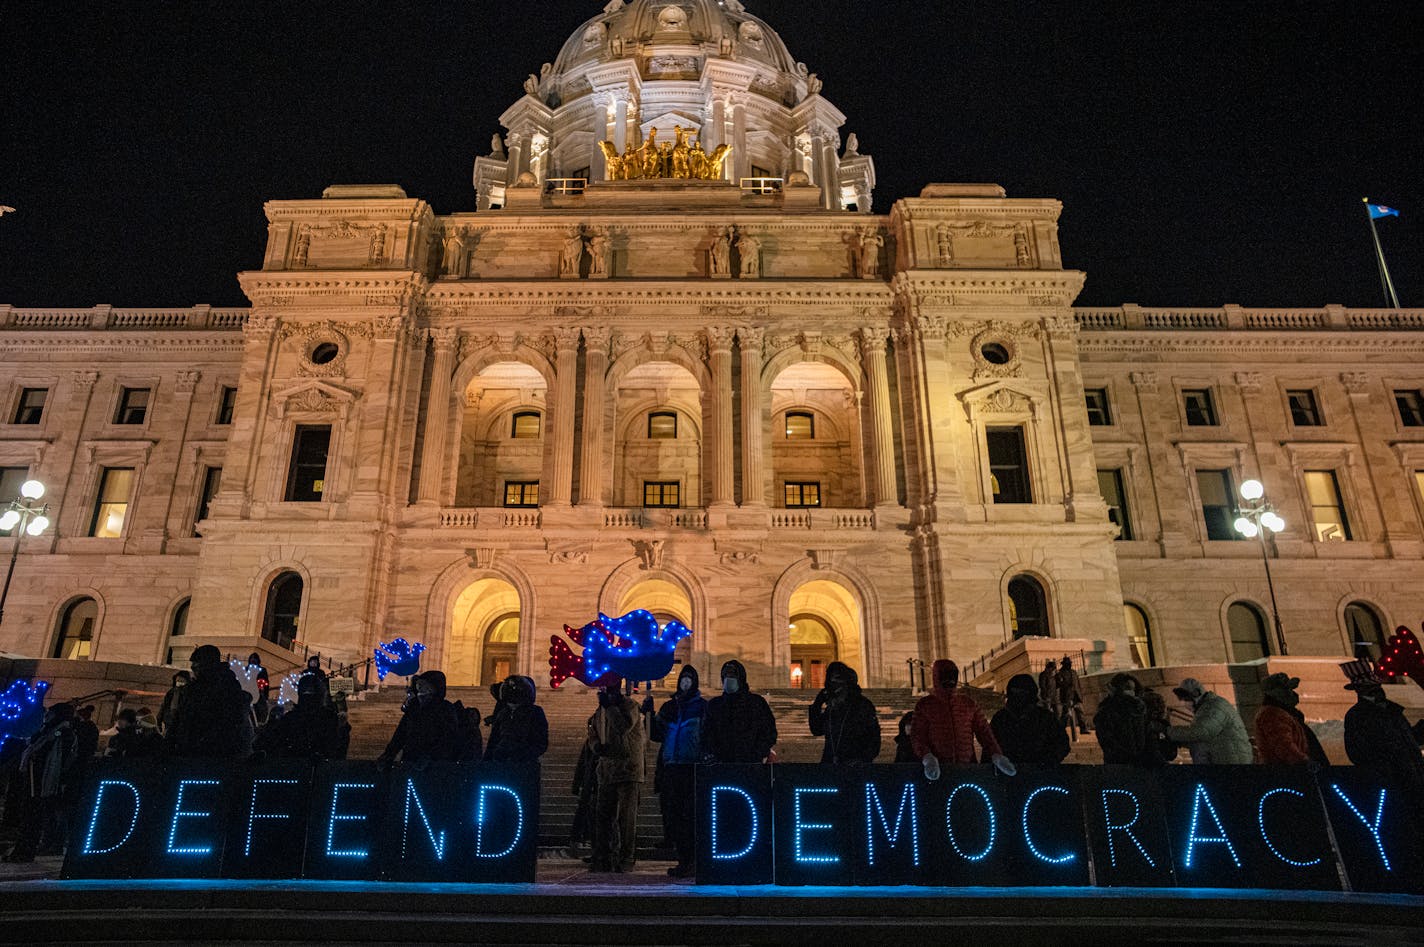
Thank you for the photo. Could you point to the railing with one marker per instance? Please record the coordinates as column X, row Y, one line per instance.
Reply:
column 107, row 317
column 762, row 185
column 791, row 519
column 490, row 518
column 569, row 187
column 1328, row 318
column 658, row 518
column 622, row 519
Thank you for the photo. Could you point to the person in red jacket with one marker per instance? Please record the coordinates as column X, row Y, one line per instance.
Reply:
column 946, row 724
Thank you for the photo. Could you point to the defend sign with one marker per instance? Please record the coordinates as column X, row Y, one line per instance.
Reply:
column 206, row 819
column 1189, row 826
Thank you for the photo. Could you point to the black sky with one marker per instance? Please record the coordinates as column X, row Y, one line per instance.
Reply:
column 1207, row 152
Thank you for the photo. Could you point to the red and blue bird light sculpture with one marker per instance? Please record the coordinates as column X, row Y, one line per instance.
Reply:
column 631, row 648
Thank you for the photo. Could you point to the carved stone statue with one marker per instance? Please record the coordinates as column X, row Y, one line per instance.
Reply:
column 697, row 161
column 652, row 158
column 531, row 85
column 571, row 259
column 814, row 84
column 454, row 264
column 749, row 254
column 1021, row 254
column 600, row 253
column 852, row 149
column 865, row 253
column 681, row 155
column 615, row 6
column 613, row 161
column 720, row 256
column 497, row 147
column 944, row 242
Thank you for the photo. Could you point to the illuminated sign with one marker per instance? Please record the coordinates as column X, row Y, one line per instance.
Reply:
column 212, row 819
column 1188, row 826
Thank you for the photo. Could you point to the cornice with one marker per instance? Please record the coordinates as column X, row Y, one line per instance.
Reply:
column 410, row 208
column 1155, row 343
column 280, row 288
column 736, row 293
column 104, row 342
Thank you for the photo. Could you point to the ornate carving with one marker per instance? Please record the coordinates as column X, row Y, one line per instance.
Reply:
column 995, row 351
column 596, row 338
column 1356, row 383
column 751, row 339
column 574, row 555
column 571, row 257
column 83, row 379
column 719, row 338
column 471, row 345
column 259, row 328
column 748, row 256
column 930, row 326
column 1021, row 251
column 445, row 339
column 378, row 245
column 389, row 325
column 482, row 557
column 312, row 401
column 1145, row 382
column 845, row 345
column 543, row 343
column 566, row 338
column 624, row 342
column 872, row 341
column 187, row 380
column 1249, row 382
column 600, row 253
column 865, row 247
column 944, row 244
column 1062, row 327
column 738, row 557
column 649, row 552
column 719, row 257
column 824, row 558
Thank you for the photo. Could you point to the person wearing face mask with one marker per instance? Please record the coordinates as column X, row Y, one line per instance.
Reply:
column 1216, row 736
column 519, row 731
column 1027, row 732
column 739, row 726
column 1121, row 722
column 904, row 747
column 168, row 710
column 430, row 730
column 946, row 724
column 618, row 743
column 1378, row 738
column 1282, row 735
column 846, row 718
column 678, row 727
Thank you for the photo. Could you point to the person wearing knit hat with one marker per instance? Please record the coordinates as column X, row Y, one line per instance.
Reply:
column 1216, row 735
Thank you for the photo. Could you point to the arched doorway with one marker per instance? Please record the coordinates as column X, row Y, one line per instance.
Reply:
column 1139, row 636
column 1366, row 631
column 667, row 601
column 1028, row 608
column 281, row 618
column 1248, row 633
column 75, row 638
column 484, row 634
column 824, row 626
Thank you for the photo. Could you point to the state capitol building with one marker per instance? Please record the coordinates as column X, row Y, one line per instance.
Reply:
column 679, row 360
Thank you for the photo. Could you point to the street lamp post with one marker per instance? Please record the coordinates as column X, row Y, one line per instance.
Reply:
column 1253, row 521
column 23, row 515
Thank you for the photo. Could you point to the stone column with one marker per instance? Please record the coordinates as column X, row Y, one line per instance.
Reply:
column 437, row 415
column 620, row 123
column 753, row 475
column 717, row 127
column 882, row 436
column 829, row 168
column 517, row 165
column 719, row 348
column 595, row 342
column 740, row 159
column 561, row 475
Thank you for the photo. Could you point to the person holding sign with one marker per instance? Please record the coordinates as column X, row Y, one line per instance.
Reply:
column 946, row 724
column 846, row 718
column 1216, row 734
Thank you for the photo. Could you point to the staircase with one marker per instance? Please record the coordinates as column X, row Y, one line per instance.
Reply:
column 375, row 713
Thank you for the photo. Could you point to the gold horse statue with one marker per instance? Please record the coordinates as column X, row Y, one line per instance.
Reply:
column 679, row 159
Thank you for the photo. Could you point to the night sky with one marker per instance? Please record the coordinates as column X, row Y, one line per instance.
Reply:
column 1207, row 152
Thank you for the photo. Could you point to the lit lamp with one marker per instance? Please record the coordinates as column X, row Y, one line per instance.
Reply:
column 1254, row 521
column 22, row 515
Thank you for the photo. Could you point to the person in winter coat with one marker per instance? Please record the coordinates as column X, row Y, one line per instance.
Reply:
column 261, row 707
column 132, row 740
column 846, row 718
column 1070, row 699
column 1160, row 748
column 946, row 724
column 1048, row 688
column 313, row 670
column 519, row 731
column 585, row 789
column 1282, row 735
column 1121, row 722
column 87, row 733
column 431, row 730
column 1027, row 732
column 739, row 726
column 1378, row 738
column 168, row 710
column 48, row 768
column 213, row 717
column 678, row 727
column 619, row 741
column 308, row 731
column 904, row 749
column 1216, row 735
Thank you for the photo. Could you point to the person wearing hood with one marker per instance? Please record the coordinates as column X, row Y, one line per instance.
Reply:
column 678, row 727
column 1378, row 738
column 313, row 670
column 308, row 731
column 739, row 726
column 1070, row 699
column 213, row 717
column 946, row 724
column 1029, row 733
column 1282, row 735
column 168, row 710
column 262, row 705
column 519, row 731
column 1216, row 735
column 846, row 718
column 49, row 767
column 1048, row 687
column 430, row 730
column 132, row 740
column 619, row 741
column 904, row 748
column 1121, row 722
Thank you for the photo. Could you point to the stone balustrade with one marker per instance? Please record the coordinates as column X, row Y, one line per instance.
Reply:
column 1328, row 318
column 107, row 317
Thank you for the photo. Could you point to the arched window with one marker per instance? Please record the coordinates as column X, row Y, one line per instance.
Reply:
column 501, row 648
column 1367, row 637
column 526, row 424
column 1248, row 633
column 176, row 630
column 76, row 630
column 284, row 608
column 813, row 646
column 1139, row 636
column 1028, row 607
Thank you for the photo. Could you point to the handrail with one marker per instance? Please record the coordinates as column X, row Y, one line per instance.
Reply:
column 762, row 185
column 572, row 187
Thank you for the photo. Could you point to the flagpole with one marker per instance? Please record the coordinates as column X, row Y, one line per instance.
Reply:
column 1385, row 281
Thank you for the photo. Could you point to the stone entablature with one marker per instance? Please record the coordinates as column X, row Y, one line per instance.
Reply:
column 1237, row 318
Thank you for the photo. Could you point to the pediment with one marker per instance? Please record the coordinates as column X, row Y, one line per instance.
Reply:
column 314, row 397
column 1005, row 398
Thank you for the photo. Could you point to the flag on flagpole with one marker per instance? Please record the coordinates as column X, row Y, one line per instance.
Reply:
column 1378, row 211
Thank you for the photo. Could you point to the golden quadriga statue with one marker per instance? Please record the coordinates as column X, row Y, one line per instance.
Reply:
column 675, row 160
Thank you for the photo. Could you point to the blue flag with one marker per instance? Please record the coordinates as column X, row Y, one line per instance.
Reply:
column 1379, row 210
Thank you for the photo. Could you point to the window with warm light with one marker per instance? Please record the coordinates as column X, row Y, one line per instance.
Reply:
column 527, row 425
column 662, row 426
column 800, row 426
column 802, row 495
column 521, row 493
column 662, row 494
column 112, row 506
column 1327, row 513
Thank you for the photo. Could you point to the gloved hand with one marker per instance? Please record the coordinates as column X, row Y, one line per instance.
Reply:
column 1005, row 765
column 648, row 704
column 931, row 764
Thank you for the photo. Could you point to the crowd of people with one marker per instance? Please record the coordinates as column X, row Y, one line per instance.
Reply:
column 208, row 713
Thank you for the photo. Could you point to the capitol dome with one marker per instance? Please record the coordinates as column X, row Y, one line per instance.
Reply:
column 709, row 67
